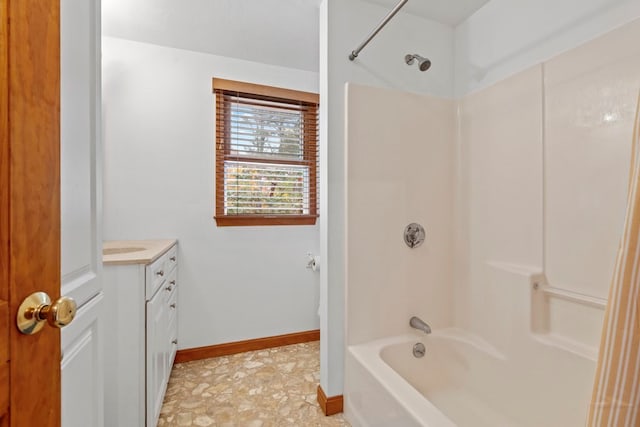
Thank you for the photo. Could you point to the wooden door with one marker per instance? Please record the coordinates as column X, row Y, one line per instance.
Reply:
column 29, row 206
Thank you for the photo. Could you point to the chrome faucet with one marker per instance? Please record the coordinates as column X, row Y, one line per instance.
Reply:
column 417, row 323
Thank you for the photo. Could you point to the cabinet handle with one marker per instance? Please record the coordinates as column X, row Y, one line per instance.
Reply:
column 173, row 305
column 172, row 258
column 168, row 288
column 160, row 273
column 174, row 341
column 173, row 282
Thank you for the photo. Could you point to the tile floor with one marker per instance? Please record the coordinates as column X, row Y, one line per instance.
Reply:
column 267, row 388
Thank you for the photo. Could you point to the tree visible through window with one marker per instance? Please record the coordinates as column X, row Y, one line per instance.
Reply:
column 266, row 155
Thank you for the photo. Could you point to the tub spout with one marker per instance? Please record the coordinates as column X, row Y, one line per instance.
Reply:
column 416, row 322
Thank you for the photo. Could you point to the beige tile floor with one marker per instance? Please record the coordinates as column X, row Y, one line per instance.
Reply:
column 266, row 388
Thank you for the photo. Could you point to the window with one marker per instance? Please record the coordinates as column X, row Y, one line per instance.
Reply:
column 266, row 155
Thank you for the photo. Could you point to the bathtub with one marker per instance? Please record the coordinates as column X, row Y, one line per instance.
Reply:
column 460, row 382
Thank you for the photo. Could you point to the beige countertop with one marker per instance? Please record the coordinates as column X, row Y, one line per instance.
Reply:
column 120, row 252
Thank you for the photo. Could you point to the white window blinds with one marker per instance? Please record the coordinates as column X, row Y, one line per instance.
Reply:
column 266, row 156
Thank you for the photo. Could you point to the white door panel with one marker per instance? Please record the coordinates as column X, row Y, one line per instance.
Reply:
column 81, row 230
column 80, row 106
column 82, row 368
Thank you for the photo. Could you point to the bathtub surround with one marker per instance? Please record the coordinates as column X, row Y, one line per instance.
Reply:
column 395, row 186
column 500, row 39
column 534, row 160
column 499, row 150
column 541, row 155
column 614, row 400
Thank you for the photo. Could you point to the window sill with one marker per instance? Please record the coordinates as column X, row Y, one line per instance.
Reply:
column 248, row 220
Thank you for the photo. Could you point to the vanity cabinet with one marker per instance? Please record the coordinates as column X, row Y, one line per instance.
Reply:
column 161, row 338
column 141, row 286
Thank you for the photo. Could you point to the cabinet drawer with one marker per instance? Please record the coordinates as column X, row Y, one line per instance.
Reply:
column 172, row 258
column 170, row 286
column 156, row 274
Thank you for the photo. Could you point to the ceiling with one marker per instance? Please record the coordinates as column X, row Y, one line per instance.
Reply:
column 450, row 12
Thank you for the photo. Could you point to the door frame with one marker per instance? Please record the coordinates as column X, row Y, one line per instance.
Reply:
column 30, row 199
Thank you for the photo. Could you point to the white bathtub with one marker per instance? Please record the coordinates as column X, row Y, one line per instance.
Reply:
column 461, row 381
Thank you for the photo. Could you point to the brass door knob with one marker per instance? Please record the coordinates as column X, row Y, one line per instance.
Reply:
column 37, row 309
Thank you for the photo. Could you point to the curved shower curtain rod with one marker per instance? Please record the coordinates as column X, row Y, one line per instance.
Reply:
column 354, row 54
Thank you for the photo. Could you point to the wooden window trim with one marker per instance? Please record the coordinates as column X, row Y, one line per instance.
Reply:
column 266, row 91
column 310, row 154
column 257, row 220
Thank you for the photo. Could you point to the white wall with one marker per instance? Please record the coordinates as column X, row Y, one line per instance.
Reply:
column 278, row 32
column 236, row 282
column 508, row 36
column 343, row 25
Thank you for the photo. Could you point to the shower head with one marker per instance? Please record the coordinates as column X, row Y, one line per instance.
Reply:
column 423, row 63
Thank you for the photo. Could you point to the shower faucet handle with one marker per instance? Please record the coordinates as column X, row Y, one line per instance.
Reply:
column 414, row 235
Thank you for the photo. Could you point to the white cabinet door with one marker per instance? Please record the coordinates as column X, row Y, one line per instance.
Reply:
column 81, row 238
column 172, row 330
column 156, row 355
